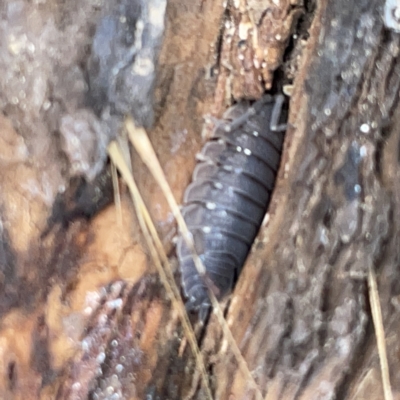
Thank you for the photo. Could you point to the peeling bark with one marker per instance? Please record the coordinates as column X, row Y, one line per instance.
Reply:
column 83, row 312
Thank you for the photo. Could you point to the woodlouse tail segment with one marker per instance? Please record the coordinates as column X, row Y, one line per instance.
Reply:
column 225, row 204
column 201, row 302
column 203, row 309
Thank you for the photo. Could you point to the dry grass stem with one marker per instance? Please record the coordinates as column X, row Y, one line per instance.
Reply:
column 141, row 142
column 159, row 257
column 379, row 332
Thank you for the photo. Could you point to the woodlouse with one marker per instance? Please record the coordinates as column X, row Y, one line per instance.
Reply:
column 225, row 204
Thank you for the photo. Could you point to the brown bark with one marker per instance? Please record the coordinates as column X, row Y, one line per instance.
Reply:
column 83, row 312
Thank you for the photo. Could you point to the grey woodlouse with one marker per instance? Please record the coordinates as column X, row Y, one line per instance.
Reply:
column 227, row 200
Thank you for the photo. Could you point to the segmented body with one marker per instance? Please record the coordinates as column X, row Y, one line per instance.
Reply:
column 225, row 204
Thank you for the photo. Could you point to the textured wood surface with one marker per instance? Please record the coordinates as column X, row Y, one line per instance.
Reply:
column 83, row 314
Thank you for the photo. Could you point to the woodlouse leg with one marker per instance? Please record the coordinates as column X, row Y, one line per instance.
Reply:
column 249, row 113
column 276, row 114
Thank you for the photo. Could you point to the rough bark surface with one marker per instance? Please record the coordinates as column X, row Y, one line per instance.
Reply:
column 305, row 325
column 83, row 314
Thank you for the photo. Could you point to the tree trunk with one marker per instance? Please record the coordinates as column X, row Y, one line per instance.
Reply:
column 84, row 314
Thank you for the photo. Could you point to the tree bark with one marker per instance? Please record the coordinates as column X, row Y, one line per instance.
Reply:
column 84, row 314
